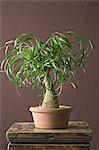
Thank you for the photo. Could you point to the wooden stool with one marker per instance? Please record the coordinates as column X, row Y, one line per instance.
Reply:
column 24, row 136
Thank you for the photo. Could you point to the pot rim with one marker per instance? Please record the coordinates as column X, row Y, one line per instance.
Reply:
column 43, row 109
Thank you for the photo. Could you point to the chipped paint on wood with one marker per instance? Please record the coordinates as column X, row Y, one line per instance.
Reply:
column 26, row 132
column 24, row 136
column 48, row 147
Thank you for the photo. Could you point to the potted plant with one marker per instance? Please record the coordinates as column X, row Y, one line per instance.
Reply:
column 47, row 65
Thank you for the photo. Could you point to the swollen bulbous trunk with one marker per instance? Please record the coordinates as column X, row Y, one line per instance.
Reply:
column 50, row 99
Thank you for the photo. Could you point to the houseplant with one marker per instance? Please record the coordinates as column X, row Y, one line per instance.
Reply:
column 48, row 65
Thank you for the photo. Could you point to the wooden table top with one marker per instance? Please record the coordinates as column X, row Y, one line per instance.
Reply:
column 77, row 131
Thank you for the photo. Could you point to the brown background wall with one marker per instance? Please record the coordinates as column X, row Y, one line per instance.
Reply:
column 42, row 18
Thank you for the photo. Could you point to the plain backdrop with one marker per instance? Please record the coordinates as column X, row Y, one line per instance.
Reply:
column 41, row 19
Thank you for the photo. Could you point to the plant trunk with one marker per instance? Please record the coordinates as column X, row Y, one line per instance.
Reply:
column 50, row 98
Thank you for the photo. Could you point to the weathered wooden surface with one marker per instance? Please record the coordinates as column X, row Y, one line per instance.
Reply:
column 77, row 132
column 48, row 147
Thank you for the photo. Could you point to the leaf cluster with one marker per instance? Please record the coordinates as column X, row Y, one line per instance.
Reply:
column 29, row 59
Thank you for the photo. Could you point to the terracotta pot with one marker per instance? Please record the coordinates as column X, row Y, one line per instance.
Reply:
column 53, row 118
